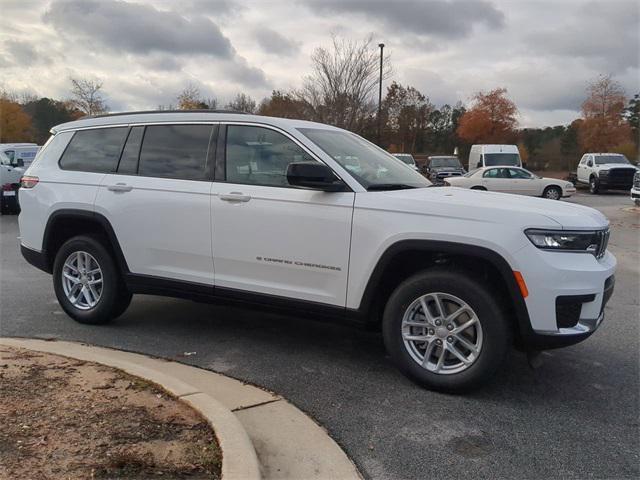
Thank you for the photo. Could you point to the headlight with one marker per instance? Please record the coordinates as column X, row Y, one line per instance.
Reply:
column 567, row 241
column 569, row 185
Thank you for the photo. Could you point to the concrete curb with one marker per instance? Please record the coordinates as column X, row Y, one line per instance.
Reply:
column 239, row 459
column 261, row 434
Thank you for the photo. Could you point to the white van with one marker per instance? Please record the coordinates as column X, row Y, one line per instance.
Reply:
column 494, row 155
column 20, row 154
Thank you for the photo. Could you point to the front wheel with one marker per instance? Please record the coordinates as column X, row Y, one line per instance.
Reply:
column 87, row 282
column 444, row 330
column 637, row 202
column 552, row 193
column 594, row 185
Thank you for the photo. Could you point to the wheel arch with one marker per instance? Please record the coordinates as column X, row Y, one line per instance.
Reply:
column 66, row 223
column 408, row 257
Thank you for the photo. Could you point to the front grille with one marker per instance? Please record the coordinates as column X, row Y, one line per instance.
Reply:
column 636, row 180
column 602, row 239
column 622, row 174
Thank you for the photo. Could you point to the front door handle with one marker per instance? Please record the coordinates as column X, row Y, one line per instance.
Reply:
column 235, row 197
column 120, row 187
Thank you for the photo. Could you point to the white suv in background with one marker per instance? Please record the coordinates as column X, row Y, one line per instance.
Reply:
column 265, row 211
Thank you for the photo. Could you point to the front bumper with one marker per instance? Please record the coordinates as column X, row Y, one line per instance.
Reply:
column 553, row 278
column 36, row 258
column 635, row 193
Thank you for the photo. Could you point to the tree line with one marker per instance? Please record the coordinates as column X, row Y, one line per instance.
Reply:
column 340, row 91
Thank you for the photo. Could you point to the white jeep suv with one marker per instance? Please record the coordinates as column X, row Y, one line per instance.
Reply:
column 272, row 212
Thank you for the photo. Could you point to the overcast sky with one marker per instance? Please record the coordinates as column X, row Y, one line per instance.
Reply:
column 145, row 51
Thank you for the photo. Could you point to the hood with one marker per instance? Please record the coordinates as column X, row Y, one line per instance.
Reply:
column 498, row 208
column 446, row 169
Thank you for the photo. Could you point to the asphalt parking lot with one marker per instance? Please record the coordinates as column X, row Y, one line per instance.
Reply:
column 577, row 416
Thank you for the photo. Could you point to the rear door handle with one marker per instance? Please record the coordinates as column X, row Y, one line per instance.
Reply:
column 120, row 187
column 235, row 197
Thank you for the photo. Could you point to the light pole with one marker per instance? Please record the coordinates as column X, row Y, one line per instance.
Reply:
column 381, row 45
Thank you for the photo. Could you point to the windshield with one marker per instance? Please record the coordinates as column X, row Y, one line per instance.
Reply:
column 371, row 166
column 603, row 159
column 4, row 160
column 445, row 162
column 491, row 159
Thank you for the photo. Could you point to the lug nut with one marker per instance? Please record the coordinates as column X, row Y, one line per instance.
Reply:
column 431, row 331
column 449, row 339
column 450, row 327
column 438, row 342
column 438, row 323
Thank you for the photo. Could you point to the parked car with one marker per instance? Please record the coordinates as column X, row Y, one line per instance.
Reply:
column 513, row 180
column 493, row 155
column 20, row 154
column 603, row 171
column 635, row 189
column 407, row 159
column 151, row 202
column 440, row 167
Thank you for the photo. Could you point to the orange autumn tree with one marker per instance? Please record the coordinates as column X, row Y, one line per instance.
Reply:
column 15, row 125
column 604, row 126
column 493, row 118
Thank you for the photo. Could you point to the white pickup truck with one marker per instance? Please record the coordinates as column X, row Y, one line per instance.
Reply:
column 605, row 171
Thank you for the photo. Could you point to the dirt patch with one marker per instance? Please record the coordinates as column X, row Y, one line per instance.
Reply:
column 66, row 418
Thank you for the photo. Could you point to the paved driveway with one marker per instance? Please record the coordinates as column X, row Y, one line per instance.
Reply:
column 576, row 416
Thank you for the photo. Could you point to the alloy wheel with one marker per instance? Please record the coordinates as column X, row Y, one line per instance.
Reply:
column 82, row 280
column 442, row 333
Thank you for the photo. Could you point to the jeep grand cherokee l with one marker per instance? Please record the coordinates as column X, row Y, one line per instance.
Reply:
column 264, row 210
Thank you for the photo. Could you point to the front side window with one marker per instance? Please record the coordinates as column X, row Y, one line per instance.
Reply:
column 260, row 156
column 96, row 150
column 175, row 151
column 11, row 154
column 371, row 166
column 517, row 173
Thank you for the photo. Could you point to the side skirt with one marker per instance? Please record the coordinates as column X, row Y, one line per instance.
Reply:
column 150, row 285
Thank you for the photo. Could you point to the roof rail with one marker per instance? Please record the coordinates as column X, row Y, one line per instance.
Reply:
column 237, row 112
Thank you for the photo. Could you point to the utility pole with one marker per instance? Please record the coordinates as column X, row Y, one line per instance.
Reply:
column 381, row 45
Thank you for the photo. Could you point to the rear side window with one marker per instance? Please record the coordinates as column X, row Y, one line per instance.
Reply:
column 96, row 150
column 129, row 160
column 175, row 151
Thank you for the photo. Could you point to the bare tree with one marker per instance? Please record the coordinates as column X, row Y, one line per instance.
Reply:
column 191, row 99
column 86, row 96
column 242, row 103
column 340, row 89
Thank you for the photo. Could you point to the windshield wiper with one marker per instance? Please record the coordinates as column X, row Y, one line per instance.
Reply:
column 389, row 186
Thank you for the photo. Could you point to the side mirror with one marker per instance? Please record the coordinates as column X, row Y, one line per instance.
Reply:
column 314, row 175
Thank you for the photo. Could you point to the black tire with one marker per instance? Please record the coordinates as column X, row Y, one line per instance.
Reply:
column 637, row 202
column 479, row 188
column 496, row 329
column 114, row 299
column 594, row 185
column 548, row 193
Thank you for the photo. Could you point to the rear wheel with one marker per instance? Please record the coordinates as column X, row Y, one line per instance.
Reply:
column 445, row 331
column 594, row 185
column 479, row 188
column 552, row 193
column 87, row 283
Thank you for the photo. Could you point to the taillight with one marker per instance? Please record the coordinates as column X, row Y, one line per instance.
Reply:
column 28, row 181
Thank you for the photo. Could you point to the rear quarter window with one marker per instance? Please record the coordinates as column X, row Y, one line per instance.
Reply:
column 96, row 150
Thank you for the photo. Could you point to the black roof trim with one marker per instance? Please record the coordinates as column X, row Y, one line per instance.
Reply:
column 237, row 112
